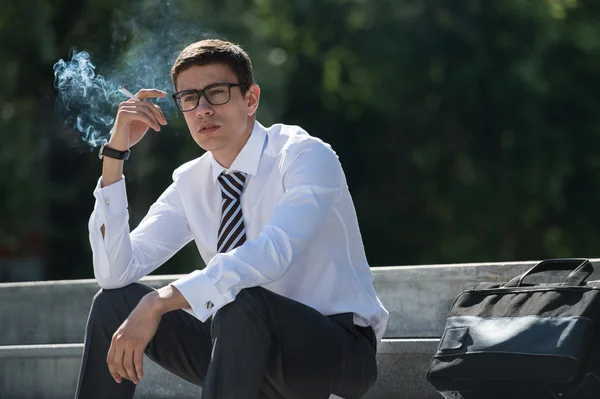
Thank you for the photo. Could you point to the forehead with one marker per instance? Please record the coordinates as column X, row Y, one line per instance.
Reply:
column 198, row 77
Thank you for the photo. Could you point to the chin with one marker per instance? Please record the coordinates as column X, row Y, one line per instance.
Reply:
column 207, row 144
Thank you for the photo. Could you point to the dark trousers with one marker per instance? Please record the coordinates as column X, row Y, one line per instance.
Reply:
column 262, row 345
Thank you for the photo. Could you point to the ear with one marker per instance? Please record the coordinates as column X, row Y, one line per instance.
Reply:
column 253, row 97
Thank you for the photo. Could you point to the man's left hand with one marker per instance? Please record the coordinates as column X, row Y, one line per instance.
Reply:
column 126, row 353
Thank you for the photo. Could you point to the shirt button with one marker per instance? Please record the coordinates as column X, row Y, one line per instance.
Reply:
column 208, row 305
column 107, row 201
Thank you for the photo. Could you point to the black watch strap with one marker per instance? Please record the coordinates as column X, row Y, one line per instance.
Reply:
column 106, row 151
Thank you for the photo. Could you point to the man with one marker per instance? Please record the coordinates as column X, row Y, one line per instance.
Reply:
column 285, row 307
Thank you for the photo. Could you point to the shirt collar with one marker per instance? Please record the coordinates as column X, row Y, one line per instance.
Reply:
column 248, row 158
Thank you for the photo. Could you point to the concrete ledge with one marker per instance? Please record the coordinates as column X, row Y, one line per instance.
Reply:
column 40, row 351
column 51, row 371
column 418, row 298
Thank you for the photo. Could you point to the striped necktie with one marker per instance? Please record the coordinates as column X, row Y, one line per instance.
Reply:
column 232, row 232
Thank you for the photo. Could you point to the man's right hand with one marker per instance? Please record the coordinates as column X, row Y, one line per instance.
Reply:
column 134, row 118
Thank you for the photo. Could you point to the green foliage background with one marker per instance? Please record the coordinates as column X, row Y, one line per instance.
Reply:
column 469, row 130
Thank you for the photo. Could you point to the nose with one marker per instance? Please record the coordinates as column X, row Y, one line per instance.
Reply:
column 204, row 108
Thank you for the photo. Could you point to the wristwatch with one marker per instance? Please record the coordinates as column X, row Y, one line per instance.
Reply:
column 106, row 151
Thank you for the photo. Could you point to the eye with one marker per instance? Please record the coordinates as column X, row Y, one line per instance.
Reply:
column 189, row 97
column 214, row 92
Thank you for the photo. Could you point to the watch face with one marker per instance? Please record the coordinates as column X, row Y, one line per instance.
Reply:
column 101, row 149
column 106, row 151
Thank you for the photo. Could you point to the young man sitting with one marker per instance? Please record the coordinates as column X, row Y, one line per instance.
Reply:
column 285, row 307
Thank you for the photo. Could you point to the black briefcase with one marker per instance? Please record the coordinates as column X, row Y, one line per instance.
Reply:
column 520, row 340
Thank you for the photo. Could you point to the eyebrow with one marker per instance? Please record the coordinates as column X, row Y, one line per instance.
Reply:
column 208, row 85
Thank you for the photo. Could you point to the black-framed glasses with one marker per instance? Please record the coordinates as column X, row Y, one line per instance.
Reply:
column 215, row 94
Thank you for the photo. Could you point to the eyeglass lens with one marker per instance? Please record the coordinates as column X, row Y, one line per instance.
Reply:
column 216, row 95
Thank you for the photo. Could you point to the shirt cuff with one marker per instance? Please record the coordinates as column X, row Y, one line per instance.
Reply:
column 112, row 199
column 201, row 293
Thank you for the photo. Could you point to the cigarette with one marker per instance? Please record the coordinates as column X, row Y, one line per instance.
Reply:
column 129, row 94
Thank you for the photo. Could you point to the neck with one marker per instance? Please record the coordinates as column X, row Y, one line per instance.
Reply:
column 226, row 157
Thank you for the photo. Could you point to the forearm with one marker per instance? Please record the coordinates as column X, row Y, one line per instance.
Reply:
column 112, row 252
column 112, row 172
column 112, row 169
column 166, row 299
column 109, row 234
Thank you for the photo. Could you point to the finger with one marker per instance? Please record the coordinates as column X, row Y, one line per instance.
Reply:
column 138, row 360
column 140, row 115
column 110, row 360
column 118, row 364
column 128, row 365
column 149, row 110
column 156, row 111
column 161, row 115
column 126, row 103
column 150, row 93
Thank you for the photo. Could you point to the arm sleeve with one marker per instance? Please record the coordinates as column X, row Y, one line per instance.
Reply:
column 121, row 257
column 312, row 185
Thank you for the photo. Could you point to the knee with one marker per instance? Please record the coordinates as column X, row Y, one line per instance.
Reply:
column 249, row 304
column 118, row 297
column 251, row 298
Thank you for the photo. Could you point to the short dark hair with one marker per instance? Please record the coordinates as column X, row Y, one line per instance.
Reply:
column 215, row 51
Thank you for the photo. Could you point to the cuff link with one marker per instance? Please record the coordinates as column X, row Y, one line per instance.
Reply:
column 208, row 305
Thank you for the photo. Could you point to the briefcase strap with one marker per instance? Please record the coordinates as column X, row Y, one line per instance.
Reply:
column 580, row 269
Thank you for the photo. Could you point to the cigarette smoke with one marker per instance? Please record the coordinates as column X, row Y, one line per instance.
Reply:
column 88, row 100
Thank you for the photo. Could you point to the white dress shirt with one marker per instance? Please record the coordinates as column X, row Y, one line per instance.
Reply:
column 303, row 239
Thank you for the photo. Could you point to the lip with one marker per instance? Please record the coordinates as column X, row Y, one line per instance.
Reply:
column 207, row 128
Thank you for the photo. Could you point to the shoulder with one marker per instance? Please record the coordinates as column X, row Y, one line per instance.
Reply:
column 189, row 167
column 288, row 142
column 303, row 159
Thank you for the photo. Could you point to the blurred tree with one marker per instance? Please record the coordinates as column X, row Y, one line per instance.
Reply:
column 467, row 130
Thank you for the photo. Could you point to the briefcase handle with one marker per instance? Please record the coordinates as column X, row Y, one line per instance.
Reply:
column 581, row 270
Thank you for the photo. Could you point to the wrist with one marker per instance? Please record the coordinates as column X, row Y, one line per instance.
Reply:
column 118, row 144
column 111, row 152
column 165, row 300
column 153, row 303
